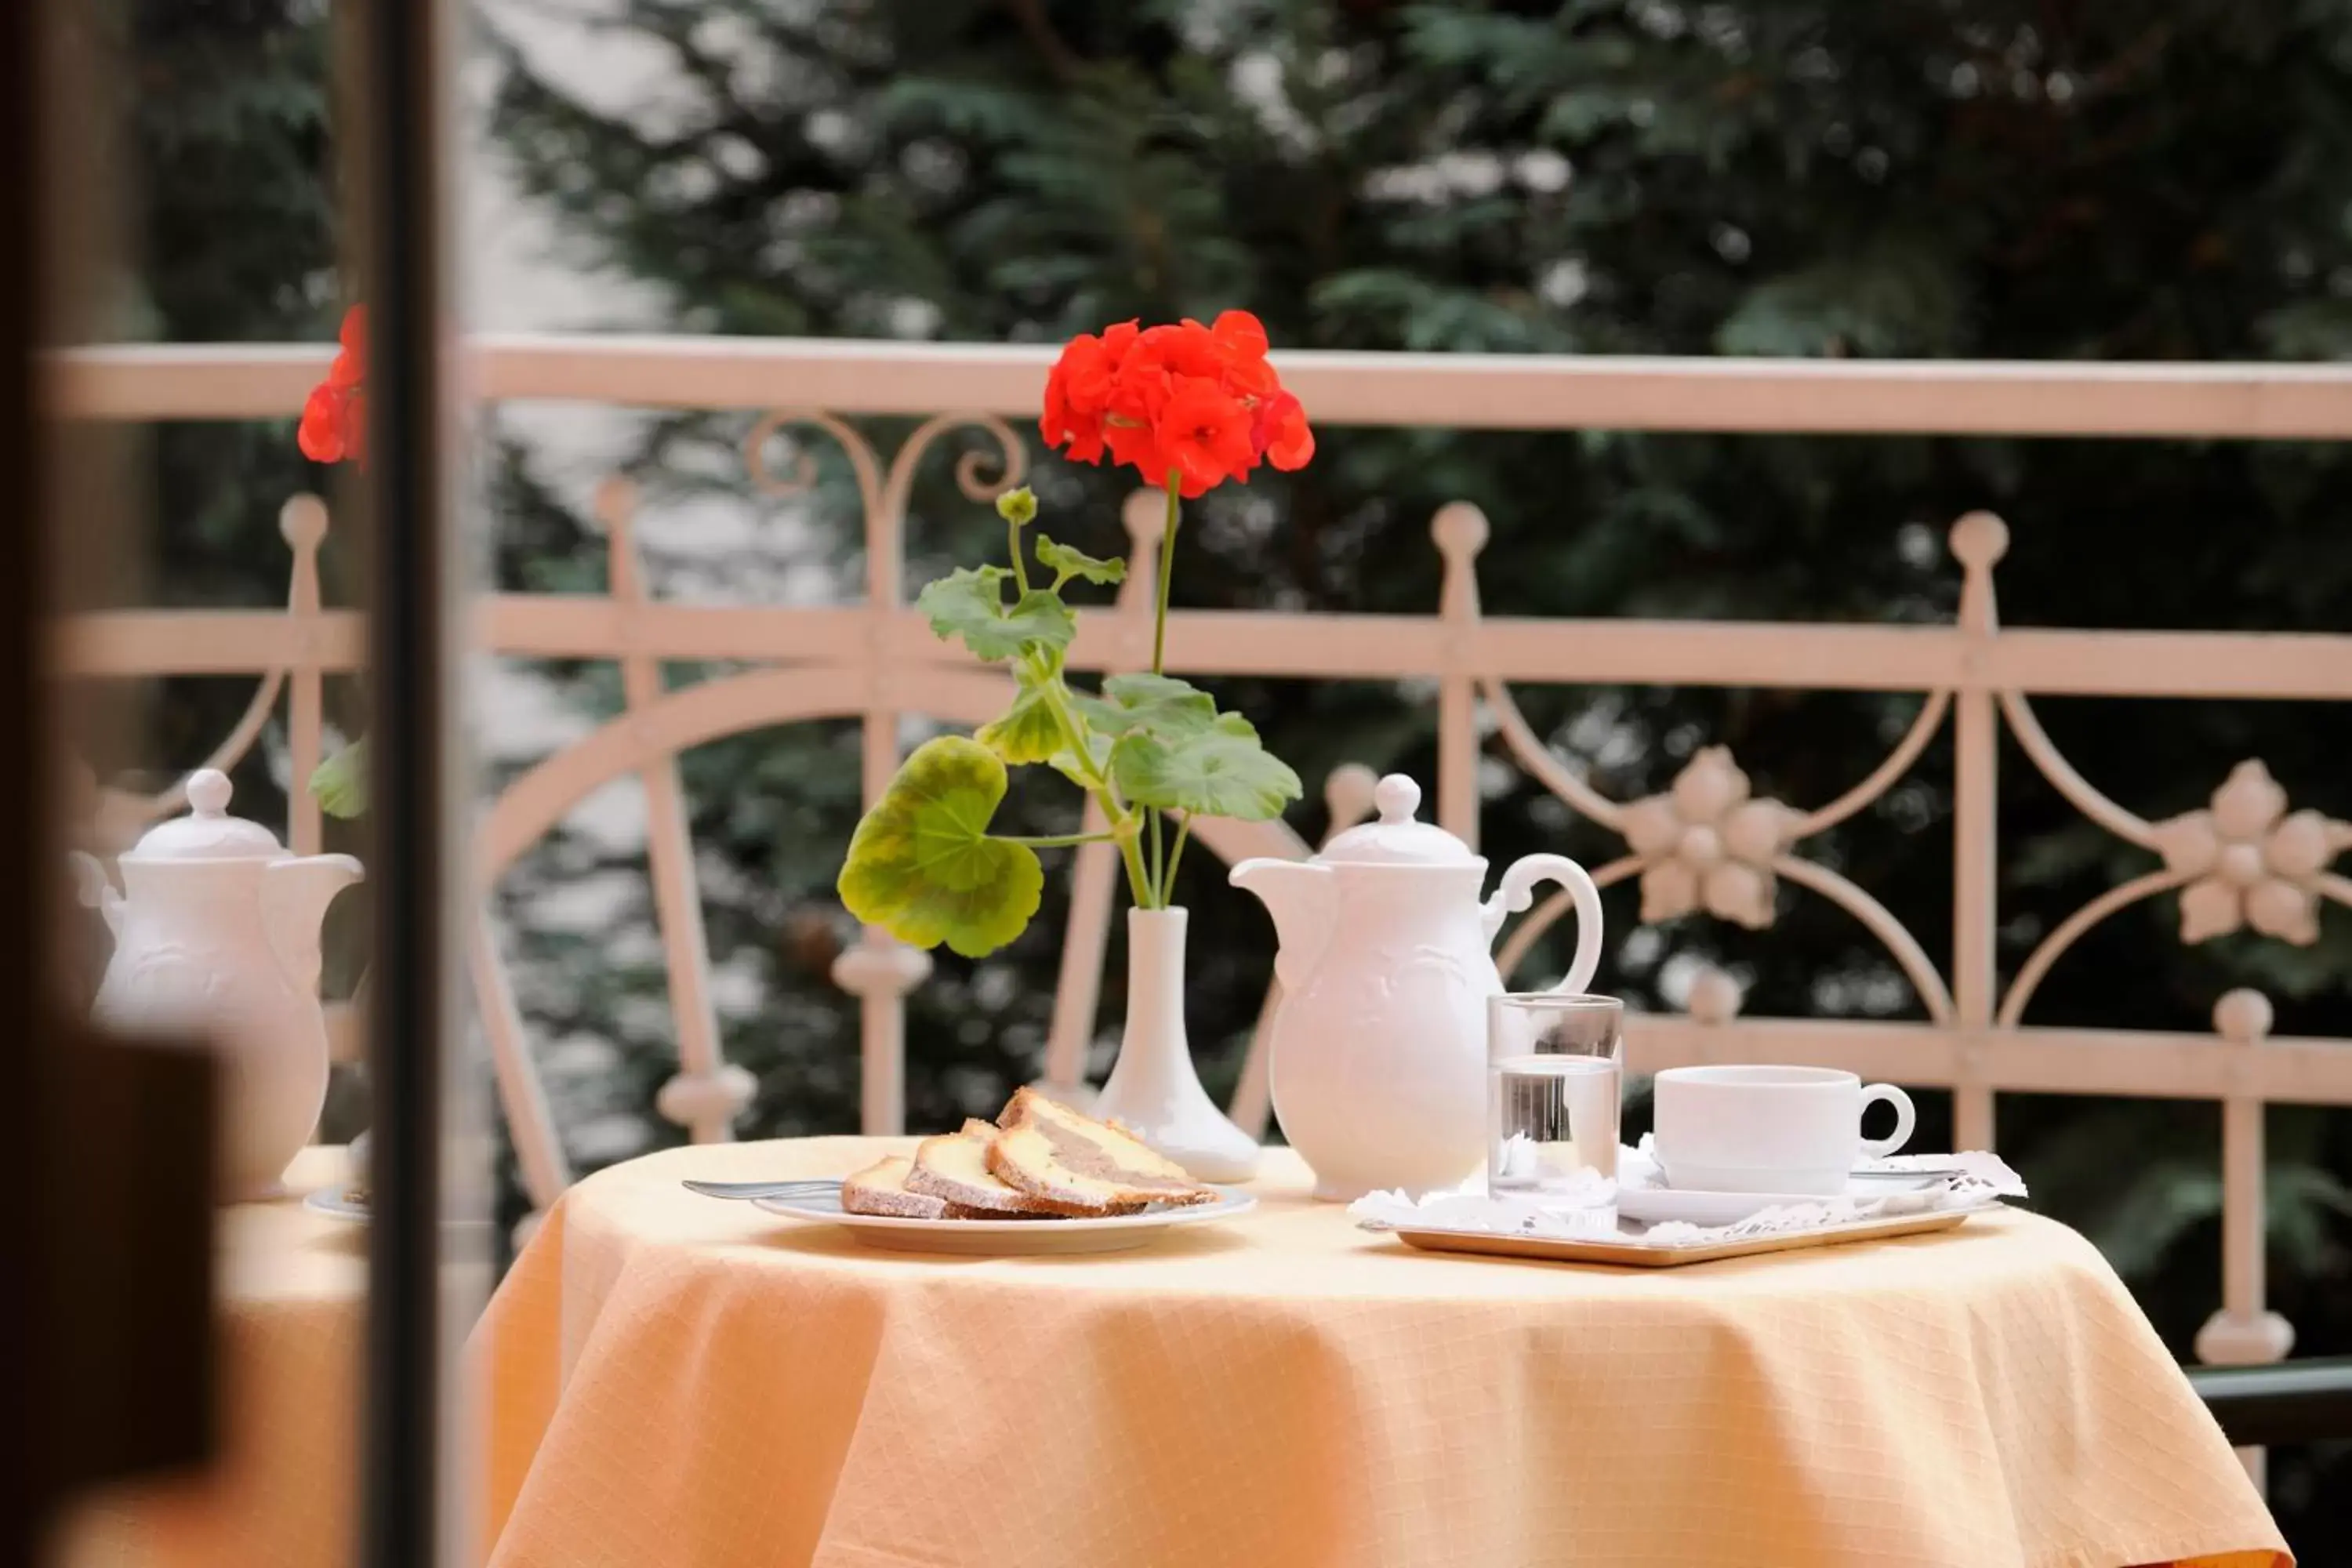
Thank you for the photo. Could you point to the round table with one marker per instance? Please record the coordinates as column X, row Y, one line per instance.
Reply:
column 292, row 1288
column 698, row 1383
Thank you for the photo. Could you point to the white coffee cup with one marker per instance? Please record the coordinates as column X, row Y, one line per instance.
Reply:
column 1769, row 1129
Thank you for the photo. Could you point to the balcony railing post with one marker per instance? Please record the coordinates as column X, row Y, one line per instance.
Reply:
column 1978, row 540
column 881, row 970
column 1460, row 531
column 302, row 522
column 2243, row 1332
column 705, row 1094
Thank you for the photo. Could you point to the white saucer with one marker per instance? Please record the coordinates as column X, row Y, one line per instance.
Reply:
column 1654, row 1205
column 1010, row 1237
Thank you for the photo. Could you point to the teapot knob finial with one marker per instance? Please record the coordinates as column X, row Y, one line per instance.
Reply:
column 1398, row 798
column 208, row 791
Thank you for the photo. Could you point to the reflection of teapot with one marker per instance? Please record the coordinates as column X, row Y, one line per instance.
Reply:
column 216, row 932
column 1380, row 1045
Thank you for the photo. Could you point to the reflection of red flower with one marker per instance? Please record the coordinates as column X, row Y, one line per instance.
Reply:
column 1197, row 403
column 334, row 416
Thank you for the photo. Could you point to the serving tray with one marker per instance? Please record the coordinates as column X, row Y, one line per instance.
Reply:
column 1632, row 1251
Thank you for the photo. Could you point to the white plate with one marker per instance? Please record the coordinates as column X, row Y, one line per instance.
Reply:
column 1010, row 1237
column 337, row 1203
column 1653, row 1205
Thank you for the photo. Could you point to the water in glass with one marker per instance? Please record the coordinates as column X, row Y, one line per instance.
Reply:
column 1553, row 1074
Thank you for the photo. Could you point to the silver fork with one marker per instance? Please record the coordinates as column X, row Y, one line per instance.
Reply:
column 748, row 1191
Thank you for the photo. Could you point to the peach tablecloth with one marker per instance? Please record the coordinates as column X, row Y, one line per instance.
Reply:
column 293, row 1292
column 700, row 1385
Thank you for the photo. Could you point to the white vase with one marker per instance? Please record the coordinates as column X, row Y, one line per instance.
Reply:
column 1153, row 1089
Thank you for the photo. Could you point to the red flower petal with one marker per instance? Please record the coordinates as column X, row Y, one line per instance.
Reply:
column 1134, row 445
column 1281, row 432
column 1239, row 332
column 1204, row 434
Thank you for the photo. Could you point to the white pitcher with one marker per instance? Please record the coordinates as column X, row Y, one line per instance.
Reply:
column 216, row 932
column 1379, row 1044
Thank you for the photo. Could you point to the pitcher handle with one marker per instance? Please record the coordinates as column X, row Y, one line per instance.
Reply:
column 1517, row 891
column 92, row 888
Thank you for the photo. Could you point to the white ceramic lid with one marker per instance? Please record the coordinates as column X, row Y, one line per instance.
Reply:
column 207, row 832
column 1397, row 838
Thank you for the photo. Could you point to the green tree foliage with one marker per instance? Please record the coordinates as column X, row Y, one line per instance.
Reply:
column 228, row 235
column 1989, row 180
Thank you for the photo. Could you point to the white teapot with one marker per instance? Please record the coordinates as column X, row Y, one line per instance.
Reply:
column 216, row 932
column 1378, row 1069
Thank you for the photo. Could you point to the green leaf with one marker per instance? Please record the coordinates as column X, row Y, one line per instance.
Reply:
column 1067, row 562
column 969, row 602
column 1065, row 762
column 1028, row 732
column 1223, row 771
column 1159, row 705
column 922, row 864
column 339, row 784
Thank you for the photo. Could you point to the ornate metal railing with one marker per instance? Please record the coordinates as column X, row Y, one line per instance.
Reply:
column 1708, row 843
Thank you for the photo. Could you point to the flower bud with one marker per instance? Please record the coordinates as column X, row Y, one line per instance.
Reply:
column 1017, row 507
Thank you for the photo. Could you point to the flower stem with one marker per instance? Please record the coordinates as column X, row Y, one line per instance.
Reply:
column 1175, row 858
column 1057, row 840
column 1138, row 887
column 1167, row 570
column 1122, row 825
column 1159, row 867
column 1013, row 545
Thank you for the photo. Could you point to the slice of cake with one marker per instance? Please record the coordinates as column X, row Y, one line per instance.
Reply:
column 881, row 1188
column 1048, row 1151
column 953, row 1167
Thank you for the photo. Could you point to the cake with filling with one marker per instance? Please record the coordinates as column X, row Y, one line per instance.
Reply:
column 881, row 1188
column 1050, row 1152
column 954, row 1167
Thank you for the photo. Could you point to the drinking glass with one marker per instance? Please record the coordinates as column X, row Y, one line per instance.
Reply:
column 1554, row 1066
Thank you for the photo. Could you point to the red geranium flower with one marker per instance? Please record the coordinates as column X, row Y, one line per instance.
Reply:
column 1198, row 404
column 334, row 416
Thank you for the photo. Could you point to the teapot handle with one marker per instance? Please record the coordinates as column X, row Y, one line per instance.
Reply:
column 1517, row 891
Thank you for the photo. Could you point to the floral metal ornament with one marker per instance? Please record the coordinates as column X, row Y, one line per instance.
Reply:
column 1704, row 844
column 2251, row 862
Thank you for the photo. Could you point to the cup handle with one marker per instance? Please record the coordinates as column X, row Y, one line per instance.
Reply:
column 1517, row 891
column 1879, row 1148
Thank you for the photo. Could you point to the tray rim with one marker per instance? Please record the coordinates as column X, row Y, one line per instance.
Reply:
column 1633, row 1253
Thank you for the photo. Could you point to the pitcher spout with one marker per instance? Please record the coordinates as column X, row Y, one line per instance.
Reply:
column 1300, row 897
column 294, row 898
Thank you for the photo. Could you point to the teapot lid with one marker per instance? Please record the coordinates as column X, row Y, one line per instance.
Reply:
column 207, row 832
column 1397, row 839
